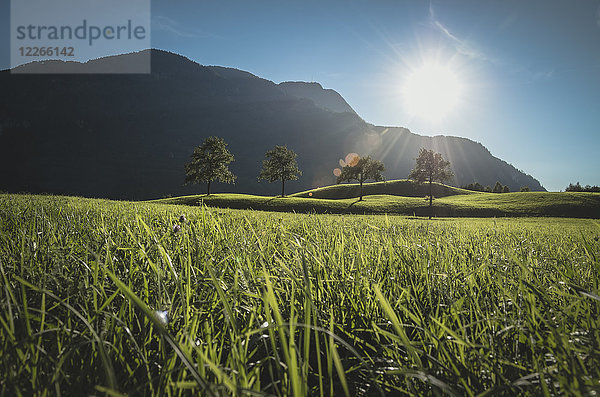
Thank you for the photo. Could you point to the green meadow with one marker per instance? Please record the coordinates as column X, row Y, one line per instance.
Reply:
column 113, row 298
column 408, row 198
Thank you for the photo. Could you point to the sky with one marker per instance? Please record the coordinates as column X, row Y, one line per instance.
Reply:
column 526, row 73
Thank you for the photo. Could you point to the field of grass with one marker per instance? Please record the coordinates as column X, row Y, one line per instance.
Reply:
column 567, row 204
column 109, row 298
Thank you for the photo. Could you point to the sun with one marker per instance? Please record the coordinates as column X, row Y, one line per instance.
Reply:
column 432, row 91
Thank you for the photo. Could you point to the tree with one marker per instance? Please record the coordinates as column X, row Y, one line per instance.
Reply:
column 363, row 169
column 525, row 189
column 280, row 165
column 431, row 167
column 478, row 187
column 578, row 188
column 498, row 188
column 209, row 162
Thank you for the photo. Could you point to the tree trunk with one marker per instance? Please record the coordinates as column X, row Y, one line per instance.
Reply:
column 208, row 188
column 361, row 182
column 430, row 199
column 282, row 187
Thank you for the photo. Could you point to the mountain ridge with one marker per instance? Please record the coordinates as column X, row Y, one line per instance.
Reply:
column 128, row 136
column 326, row 98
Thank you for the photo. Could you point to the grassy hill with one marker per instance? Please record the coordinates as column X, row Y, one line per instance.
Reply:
column 571, row 204
column 402, row 187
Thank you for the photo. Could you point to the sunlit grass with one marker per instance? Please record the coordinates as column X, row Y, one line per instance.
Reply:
column 108, row 297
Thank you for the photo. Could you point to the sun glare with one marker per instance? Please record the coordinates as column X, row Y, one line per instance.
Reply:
column 432, row 91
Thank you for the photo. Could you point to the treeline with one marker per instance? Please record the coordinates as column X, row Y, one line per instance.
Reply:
column 498, row 188
column 578, row 188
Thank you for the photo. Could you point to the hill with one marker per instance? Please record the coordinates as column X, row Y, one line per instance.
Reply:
column 404, row 188
column 128, row 136
column 526, row 204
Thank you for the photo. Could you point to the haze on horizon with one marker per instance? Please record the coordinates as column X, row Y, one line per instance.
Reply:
column 523, row 78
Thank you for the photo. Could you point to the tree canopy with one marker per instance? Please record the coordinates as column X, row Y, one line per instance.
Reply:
column 362, row 170
column 280, row 165
column 209, row 162
column 431, row 167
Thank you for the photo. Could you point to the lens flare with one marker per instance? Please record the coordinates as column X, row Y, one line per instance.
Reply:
column 352, row 159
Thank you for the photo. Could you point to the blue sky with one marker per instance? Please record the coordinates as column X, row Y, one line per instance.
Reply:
column 529, row 70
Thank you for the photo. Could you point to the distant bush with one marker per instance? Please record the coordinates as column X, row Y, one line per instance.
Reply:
column 525, row 189
column 500, row 188
column 477, row 187
column 578, row 188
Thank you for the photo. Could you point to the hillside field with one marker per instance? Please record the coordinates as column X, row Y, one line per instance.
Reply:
column 407, row 198
column 111, row 298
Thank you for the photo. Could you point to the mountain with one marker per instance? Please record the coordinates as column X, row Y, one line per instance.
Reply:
column 469, row 160
column 326, row 99
column 127, row 136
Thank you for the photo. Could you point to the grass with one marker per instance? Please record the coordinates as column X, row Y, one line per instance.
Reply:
column 568, row 204
column 401, row 187
column 103, row 297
